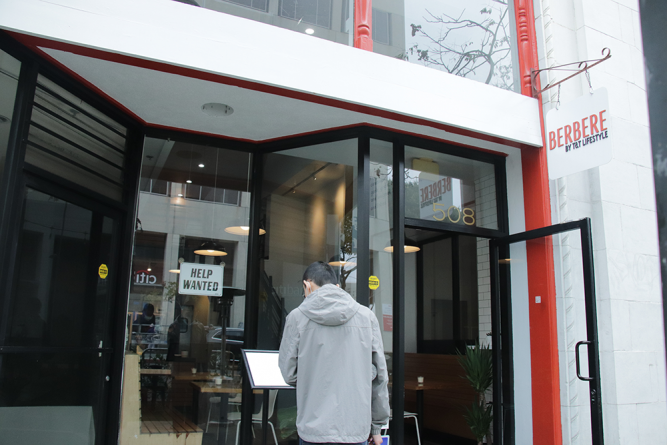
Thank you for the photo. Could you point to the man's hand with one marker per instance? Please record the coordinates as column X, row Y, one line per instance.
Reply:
column 376, row 439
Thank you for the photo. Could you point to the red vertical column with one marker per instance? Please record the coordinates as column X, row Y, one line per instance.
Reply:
column 541, row 280
column 363, row 14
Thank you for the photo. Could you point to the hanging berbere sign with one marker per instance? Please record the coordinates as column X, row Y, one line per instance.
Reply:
column 579, row 135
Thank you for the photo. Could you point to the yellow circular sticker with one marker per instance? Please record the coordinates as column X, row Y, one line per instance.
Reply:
column 373, row 282
column 103, row 271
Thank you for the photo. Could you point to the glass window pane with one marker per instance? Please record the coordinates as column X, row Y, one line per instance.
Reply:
column 73, row 140
column 310, row 210
column 380, row 235
column 60, row 300
column 185, row 330
column 9, row 76
column 441, row 187
column 473, row 38
column 324, row 19
column 51, row 398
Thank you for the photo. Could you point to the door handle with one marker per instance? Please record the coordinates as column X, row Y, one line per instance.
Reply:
column 578, row 364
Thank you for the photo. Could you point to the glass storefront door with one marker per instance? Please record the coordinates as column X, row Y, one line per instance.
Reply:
column 56, row 346
column 577, row 367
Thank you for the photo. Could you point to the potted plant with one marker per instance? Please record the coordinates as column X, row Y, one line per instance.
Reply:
column 477, row 364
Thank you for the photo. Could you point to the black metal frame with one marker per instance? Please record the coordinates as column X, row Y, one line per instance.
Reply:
column 398, row 282
column 502, row 329
column 18, row 175
column 11, row 211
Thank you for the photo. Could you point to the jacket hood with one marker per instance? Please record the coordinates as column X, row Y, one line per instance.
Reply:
column 330, row 306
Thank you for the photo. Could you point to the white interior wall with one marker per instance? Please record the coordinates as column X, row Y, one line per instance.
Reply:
column 619, row 197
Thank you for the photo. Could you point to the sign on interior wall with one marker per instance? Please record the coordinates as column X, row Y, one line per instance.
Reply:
column 200, row 279
column 387, row 318
column 579, row 135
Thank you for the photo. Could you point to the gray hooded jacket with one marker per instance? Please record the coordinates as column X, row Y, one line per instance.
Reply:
column 332, row 352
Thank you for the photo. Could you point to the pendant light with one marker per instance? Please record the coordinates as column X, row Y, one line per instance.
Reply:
column 241, row 229
column 339, row 263
column 410, row 247
column 211, row 248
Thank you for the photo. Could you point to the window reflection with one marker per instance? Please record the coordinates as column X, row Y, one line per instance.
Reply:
column 473, row 39
column 191, row 195
column 380, row 236
column 450, row 189
column 9, row 76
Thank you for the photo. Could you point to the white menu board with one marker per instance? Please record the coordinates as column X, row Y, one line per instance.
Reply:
column 263, row 369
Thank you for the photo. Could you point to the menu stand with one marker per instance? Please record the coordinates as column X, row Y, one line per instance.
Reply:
column 264, row 374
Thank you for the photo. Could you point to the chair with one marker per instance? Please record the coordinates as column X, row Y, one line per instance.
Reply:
column 407, row 414
column 212, row 401
column 234, row 401
column 257, row 417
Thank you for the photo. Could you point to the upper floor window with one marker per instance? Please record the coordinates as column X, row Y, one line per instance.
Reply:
column 315, row 12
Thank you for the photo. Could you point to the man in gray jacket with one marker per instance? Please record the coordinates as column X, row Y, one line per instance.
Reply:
column 332, row 353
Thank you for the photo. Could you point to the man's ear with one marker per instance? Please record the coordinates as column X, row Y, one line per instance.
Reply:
column 338, row 285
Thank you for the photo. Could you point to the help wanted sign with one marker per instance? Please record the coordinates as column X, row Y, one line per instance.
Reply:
column 200, row 279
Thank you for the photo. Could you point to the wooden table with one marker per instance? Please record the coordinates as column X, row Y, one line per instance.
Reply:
column 148, row 371
column 201, row 376
column 420, row 388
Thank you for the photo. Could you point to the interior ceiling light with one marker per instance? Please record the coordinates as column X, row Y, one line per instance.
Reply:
column 189, row 181
column 201, row 166
column 410, row 247
column 242, row 230
column 217, row 109
column 310, row 31
column 406, row 249
column 210, row 248
column 342, row 263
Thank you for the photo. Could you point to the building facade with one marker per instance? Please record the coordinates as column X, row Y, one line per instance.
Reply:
column 149, row 145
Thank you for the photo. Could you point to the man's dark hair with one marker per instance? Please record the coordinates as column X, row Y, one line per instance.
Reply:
column 320, row 273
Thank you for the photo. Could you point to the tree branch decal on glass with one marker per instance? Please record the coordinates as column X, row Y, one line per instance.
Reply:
column 471, row 45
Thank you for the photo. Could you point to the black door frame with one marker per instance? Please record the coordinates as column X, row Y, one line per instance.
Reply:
column 17, row 174
column 503, row 388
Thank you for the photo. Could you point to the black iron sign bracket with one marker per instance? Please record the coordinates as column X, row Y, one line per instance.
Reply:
column 581, row 67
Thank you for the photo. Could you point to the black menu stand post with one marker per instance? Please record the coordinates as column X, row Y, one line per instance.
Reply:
column 264, row 373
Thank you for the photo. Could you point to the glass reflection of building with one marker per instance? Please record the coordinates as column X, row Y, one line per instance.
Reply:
column 472, row 38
